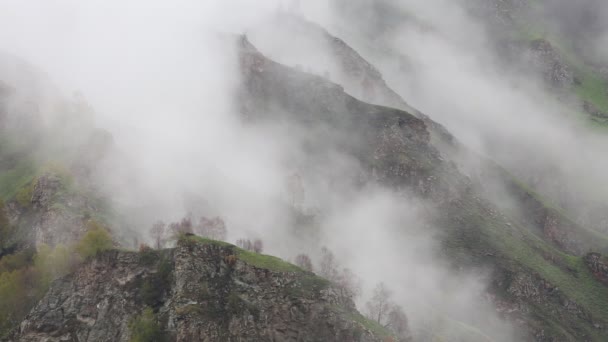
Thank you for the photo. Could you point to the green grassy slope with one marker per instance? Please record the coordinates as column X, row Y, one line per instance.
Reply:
column 478, row 238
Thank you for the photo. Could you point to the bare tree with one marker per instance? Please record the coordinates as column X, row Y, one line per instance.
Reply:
column 328, row 267
column 157, row 232
column 348, row 283
column 183, row 227
column 214, row 228
column 244, row 244
column 397, row 323
column 379, row 306
column 295, row 190
column 258, row 246
column 303, row 261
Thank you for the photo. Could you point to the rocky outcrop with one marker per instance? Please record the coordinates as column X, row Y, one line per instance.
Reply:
column 598, row 266
column 57, row 214
column 552, row 66
column 200, row 291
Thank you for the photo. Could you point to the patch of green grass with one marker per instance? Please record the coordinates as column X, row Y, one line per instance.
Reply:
column 308, row 284
column 593, row 89
column 312, row 282
column 376, row 328
column 202, row 240
column 24, row 196
column 476, row 237
column 449, row 329
column 591, row 238
column 266, row 261
column 254, row 259
column 569, row 273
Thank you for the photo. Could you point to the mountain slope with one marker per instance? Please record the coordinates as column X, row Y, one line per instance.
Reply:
column 542, row 278
column 554, row 293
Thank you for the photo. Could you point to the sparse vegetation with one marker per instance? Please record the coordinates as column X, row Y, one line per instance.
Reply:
column 266, row 261
column 186, row 238
column 24, row 196
column 387, row 314
column 379, row 306
column 518, row 250
column 344, row 279
column 371, row 325
column 181, row 228
column 157, row 232
column 211, row 228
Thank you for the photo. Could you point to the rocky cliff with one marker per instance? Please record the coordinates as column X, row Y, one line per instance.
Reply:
column 199, row 291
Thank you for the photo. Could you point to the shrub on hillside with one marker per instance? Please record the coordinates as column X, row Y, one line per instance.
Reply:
column 145, row 328
column 96, row 240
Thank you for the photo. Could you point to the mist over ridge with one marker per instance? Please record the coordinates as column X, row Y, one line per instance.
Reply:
column 448, row 153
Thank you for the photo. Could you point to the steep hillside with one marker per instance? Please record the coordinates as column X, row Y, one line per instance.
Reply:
column 560, row 38
column 554, row 293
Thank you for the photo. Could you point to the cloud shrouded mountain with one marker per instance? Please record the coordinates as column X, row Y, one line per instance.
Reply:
column 434, row 168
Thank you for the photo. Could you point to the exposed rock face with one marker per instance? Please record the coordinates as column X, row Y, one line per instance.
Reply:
column 56, row 213
column 207, row 293
column 44, row 190
column 551, row 64
column 598, row 265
